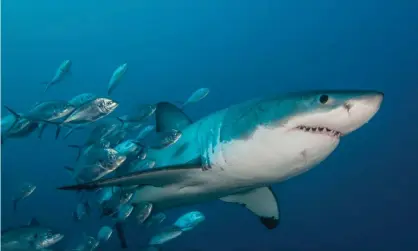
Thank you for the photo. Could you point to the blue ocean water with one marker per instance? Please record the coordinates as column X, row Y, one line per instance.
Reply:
column 363, row 197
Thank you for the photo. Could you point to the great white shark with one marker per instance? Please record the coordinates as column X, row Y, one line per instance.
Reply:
column 237, row 153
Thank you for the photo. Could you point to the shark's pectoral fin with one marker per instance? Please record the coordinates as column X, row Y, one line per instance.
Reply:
column 157, row 177
column 261, row 201
column 169, row 117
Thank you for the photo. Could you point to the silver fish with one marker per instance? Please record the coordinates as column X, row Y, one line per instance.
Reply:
column 49, row 110
column 144, row 211
column 18, row 127
column 165, row 235
column 62, row 71
column 104, row 233
column 104, row 194
column 28, row 237
column 82, row 209
column 124, row 211
column 196, row 96
column 24, row 191
column 97, row 164
column 189, row 220
column 82, row 99
column 156, row 219
column 116, row 77
column 144, row 132
column 92, row 111
column 135, row 120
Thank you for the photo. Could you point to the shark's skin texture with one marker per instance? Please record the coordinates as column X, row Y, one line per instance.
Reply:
column 255, row 144
column 235, row 154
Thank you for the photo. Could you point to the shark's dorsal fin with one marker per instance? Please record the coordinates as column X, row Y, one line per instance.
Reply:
column 34, row 222
column 261, row 201
column 169, row 117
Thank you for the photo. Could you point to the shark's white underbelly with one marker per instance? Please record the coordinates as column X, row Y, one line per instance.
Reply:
column 267, row 157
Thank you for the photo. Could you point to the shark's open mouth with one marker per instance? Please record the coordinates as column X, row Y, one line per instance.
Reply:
column 320, row 130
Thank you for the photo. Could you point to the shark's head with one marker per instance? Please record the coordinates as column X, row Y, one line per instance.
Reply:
column 296, row 131
column 330, row 113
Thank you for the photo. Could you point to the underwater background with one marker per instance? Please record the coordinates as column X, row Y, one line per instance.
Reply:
column 363, row 197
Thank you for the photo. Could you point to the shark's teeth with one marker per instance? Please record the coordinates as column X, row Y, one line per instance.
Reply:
column 320, row 130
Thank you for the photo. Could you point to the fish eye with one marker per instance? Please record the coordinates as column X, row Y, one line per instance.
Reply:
column 323, row 99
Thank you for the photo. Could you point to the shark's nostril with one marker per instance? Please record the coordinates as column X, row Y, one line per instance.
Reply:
column 348, row 106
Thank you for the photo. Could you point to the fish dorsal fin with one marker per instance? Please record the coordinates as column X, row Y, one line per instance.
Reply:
column 169, row 117
column 261, row 201
column 34, row 222
column 69, row 169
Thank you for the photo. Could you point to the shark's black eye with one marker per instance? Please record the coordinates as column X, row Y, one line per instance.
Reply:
column 323, row 99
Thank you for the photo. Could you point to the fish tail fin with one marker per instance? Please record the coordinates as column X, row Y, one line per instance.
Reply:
column 121, row 235
column 139, row 143
column 75, row 218
column 69, row 169
column 41, row 130
column 180, row 104
column 72, row 129
column 121, row 120
column 68, row 133
column 59, row 125
column 57, row 133
column 87, row 206
column 79, row 149
column 47, row 85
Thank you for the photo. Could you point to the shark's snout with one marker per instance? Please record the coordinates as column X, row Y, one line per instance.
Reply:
column 359, row 111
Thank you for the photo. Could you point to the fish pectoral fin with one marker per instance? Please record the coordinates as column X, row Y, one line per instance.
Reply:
column 261, row 201
column 157, row 177
column 79, row 150
column 15, row 114
column 42, row 129
column 169, row 117
column 69, row 169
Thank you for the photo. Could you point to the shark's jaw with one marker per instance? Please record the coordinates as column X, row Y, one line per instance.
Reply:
column 343, row 119
column 292, row 145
